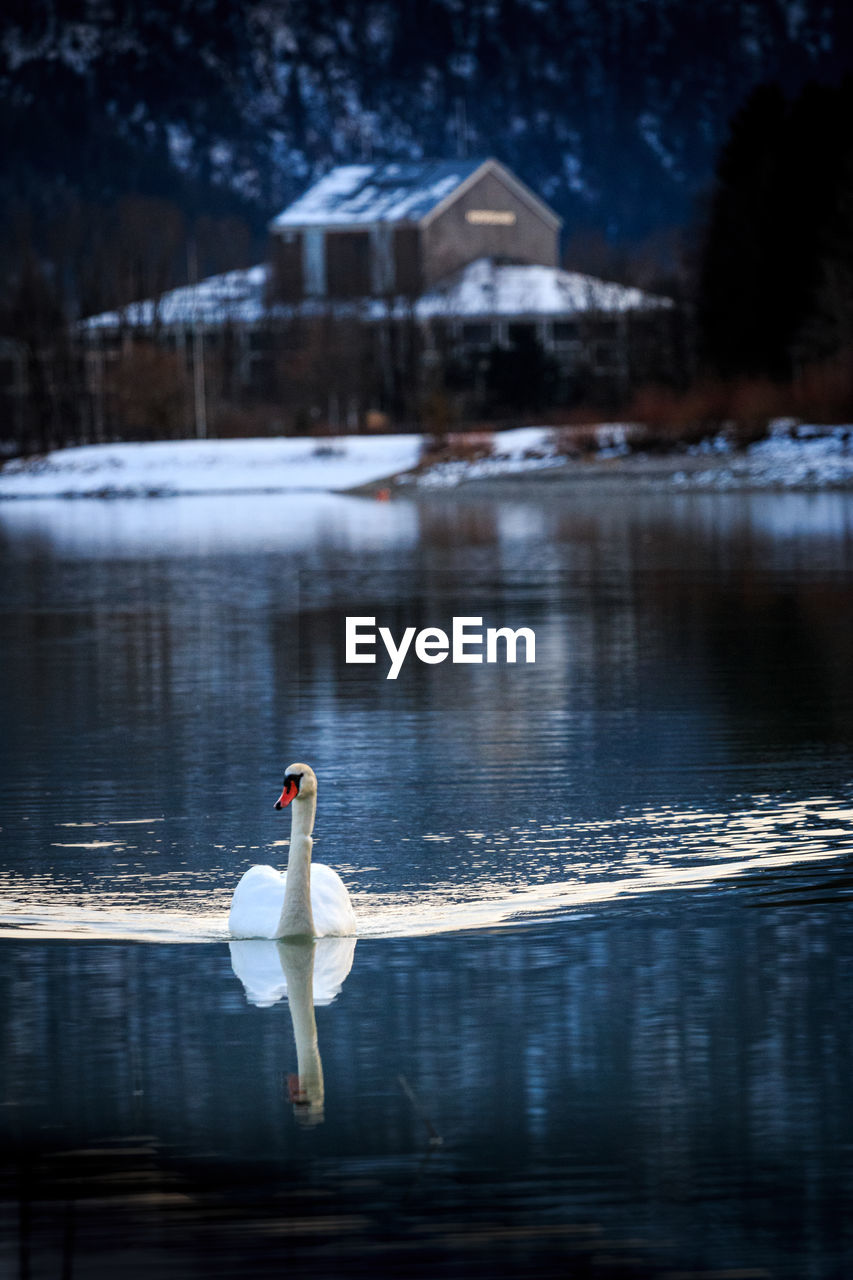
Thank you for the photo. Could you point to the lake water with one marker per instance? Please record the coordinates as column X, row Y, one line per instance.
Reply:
column 597, row 1019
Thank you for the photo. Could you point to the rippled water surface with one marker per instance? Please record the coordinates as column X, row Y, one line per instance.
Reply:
column 597, row 1014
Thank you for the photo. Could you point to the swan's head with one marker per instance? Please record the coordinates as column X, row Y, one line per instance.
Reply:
column 300, row 782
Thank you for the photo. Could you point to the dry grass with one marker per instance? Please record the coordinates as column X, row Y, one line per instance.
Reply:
column 742, row 408
column 576, row 441
column 457, row 446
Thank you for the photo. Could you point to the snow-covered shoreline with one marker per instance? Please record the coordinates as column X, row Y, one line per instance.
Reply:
column 793, row 456
column 170, row 467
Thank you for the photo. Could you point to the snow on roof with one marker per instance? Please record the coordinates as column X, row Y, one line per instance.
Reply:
column 236, row 295
column 484, row 288
column 367, row 193
column 488, row 288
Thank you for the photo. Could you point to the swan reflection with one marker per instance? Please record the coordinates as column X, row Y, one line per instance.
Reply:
column 307, row 973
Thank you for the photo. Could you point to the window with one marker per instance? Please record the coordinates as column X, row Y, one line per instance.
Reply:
column 477, row 335
column 521, row 335
column 348, row 264
column 490, row 217
column 407, row 260
column 260, row 340
column 605, row 357
column 565, row 330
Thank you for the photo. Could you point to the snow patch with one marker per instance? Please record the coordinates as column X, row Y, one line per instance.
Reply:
column 233, row 296
column 792, row 457
column 210, row 466
column 485, row 287
column 522, row 449
column 368, row 193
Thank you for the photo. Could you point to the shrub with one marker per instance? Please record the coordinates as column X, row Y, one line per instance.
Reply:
column 824, row 392
column 753, row 404
column 150, row 394
column 673, row 418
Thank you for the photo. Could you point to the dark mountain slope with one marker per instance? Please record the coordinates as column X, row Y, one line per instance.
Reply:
column 613, row 109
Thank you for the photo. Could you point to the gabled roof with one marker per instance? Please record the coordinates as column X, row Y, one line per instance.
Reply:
column 405, row 191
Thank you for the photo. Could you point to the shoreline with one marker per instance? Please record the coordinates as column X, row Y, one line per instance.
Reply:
column 593, row 478
column 522, row 462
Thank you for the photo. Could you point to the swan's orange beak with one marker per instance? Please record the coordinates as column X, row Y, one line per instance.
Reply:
column 290, row 792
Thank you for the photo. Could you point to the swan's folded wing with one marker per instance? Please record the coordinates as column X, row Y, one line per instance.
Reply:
column 256, row 905
column 330, row 903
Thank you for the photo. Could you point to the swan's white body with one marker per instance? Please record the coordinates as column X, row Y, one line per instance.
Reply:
column 258, row 905
column 304, row 901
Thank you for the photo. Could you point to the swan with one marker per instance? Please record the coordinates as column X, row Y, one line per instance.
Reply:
column 304, row 901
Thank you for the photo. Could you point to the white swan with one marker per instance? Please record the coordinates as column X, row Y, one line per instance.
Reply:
column 304, row 901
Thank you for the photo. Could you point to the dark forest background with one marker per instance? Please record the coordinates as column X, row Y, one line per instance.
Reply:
column 701, row 149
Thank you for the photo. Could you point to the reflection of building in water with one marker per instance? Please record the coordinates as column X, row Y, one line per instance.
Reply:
column 307, row 974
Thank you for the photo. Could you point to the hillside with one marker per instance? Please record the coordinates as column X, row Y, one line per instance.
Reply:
column 613, row 109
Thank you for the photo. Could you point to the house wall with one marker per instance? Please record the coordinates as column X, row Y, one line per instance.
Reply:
column 318, row 263
column 461, row 233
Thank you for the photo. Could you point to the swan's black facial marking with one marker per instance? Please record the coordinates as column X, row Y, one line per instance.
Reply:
column 291, row 790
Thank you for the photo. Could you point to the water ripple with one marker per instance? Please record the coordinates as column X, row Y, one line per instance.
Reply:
column 491, row 879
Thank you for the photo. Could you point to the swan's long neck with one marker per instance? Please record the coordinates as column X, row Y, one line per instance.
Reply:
column 297, row 961
column 296, row 918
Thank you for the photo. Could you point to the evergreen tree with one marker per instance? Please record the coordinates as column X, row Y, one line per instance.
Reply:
column 775, row 218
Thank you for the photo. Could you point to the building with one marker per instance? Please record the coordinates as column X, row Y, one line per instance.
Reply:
column 386, row 286
column 395, row 230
